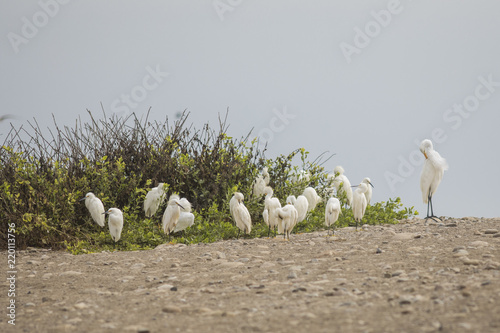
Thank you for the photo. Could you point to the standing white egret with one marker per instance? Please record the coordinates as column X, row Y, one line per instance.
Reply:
column 287, row 219
column 332, row 212
column 154, row 199
column 432, row 174
column 115, row 223
column 240, row 213
column 95, row 207
column 186, row 218
column 260, row 182
column 171, row 214
column 342, row 183
column 359, row 203
column 301, row 204
column 369, row 191
column 270, row 213
column 312, row 198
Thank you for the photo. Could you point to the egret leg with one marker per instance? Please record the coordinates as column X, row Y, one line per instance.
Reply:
column 237, row 237
column 428, row 202
column 431, row 216
column 432, row 209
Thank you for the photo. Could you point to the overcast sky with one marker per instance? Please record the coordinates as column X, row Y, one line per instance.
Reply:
column 367, row 80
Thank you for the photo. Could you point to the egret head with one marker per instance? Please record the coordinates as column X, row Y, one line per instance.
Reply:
column 425, row 146
column 362, row 188
column 112, row 211
column 268, row 191
column 338, row 170
column 174, row 200
column 239, row 196
column 367, row 181
column 89, row 195
column 178, row 203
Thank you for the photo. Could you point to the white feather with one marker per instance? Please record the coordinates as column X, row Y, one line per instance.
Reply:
column 186, row 218
column 270, row 205
column 153, row 200
column 301, row 205
column 432, row 173
column 369, row 191
column 288, row 219
column 115, row 223
column 95, row 207
column 240, row 213
column 359, row 202
column 260, row 182
column 312, row 198
column 342, row 184
column 332, row 211
column 185, row 221
column 171, row 214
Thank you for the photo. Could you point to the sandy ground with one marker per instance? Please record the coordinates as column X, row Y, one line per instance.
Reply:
column 409, row 277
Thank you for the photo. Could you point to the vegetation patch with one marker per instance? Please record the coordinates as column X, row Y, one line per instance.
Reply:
column 43, row 176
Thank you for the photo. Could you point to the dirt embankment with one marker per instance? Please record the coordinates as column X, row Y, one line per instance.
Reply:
column 409, row 277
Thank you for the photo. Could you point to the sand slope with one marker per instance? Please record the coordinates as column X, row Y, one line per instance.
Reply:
column 409, row 277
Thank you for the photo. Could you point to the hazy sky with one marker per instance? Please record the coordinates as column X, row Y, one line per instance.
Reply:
column 367, row 80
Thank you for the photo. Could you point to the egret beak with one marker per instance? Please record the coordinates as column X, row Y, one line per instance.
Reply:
column 425, row 155
column 180, row 205
column 82, row 199
column 371, row 184
column 107, row 212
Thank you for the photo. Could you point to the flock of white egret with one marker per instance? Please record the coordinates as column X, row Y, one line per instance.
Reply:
column 281, row 220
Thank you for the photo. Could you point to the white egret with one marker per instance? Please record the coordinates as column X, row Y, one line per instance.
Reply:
column 368, row 193
column 301, row 204
column 287, row 219
column 312, row 198
column 332, row 212
column 258, row 186
column 342, row 183
column 260, row 182
column 240, row 213
column 95, row 207
column 115, row 223
column 186, row 218
column 270, row 213
column 153, row 200
column 432, row 174
column 265, row 174
column 359, row 203
column 171, row 214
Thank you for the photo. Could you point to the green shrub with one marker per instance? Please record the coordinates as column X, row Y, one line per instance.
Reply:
column 119, row 160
